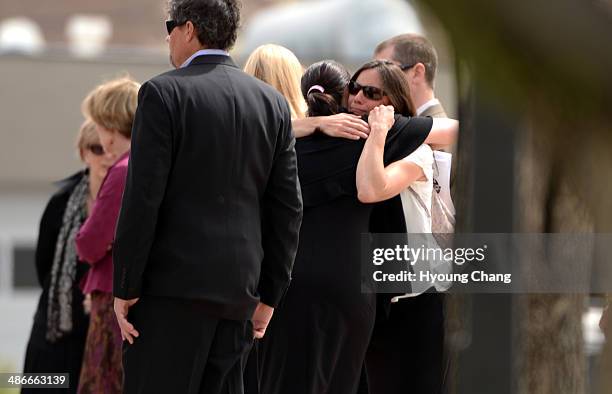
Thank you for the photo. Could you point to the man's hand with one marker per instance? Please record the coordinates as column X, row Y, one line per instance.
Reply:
column 128, row 332
column 382, row 118
column 261, row 319
column 344, row 126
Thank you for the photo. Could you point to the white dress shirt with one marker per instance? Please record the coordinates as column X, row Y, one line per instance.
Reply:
column 423, row 108
column 204, row 52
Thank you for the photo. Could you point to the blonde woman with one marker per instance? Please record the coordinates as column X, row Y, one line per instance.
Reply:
column 279, row 67
column 111, row 106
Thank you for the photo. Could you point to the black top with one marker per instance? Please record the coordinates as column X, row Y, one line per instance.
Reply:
column 328, row 166
column 211, row 208
column 319, row 335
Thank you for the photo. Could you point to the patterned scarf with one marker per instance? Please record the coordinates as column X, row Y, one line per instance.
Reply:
column 63, row 271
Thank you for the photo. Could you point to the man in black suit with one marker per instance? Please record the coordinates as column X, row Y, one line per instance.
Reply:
column 211, row 212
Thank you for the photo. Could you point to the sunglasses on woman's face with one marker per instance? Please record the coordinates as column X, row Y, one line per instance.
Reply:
column 96, row 149
column 371, row 92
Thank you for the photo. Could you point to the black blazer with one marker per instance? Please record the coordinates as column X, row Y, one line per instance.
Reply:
column 50, row 224
column 212, row 205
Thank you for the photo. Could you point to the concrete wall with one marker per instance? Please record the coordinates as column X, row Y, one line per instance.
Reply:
column 40, row 100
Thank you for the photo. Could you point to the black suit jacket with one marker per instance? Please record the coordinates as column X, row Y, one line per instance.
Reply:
column 50, row 225
column 212, row 206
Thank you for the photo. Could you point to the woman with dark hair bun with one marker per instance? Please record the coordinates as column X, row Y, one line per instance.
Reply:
column 317, row 339
column 323, row 86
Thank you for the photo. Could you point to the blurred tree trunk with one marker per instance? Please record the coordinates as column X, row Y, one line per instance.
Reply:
column 548, row 65
column 550, row 358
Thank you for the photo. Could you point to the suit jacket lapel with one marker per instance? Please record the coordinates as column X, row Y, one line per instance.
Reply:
column 435, row 111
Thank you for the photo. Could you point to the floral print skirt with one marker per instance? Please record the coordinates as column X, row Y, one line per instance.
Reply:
column 102, row 372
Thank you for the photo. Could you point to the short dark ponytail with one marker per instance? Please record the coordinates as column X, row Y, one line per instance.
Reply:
column 332, row 78
column 321, row 104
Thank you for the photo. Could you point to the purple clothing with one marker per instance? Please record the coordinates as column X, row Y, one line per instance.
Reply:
column 95, row 238
column 102, row 371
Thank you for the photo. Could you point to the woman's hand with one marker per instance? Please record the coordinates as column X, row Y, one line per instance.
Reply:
column 87, row 303
column 341, row 125
column 381, row 118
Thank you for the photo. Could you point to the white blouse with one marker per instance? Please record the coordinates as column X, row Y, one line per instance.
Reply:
column 417, row 218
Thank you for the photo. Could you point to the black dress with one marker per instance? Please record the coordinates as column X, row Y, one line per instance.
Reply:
column 317, row 339
column 66, row 354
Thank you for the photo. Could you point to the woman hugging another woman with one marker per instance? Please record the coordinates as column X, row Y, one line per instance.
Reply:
column 317, row 339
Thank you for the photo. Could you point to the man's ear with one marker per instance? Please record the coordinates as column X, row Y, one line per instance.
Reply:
column 190, row 32
column 419, row 72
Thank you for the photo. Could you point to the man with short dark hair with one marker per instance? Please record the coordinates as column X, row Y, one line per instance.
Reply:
column 210, row 216
column 418, row 58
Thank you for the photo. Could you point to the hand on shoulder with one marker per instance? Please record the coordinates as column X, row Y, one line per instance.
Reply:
column 344, row 126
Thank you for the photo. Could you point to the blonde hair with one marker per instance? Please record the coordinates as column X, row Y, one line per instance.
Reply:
column 279, row 67
column 87, row 136
column 112, row 105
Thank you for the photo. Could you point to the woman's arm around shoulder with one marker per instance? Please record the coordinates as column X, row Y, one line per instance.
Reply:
column 339, row 125
column 375, row 182
column 444, row 133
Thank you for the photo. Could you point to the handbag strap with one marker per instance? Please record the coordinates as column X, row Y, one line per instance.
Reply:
column 435, row 166
column 434, row 184
column 419, row 200
column 436, row 174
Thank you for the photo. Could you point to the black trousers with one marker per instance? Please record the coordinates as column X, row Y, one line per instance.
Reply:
column 406, row 352
column 181, row 349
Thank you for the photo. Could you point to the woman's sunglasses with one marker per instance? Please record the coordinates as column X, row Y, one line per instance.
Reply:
column 371, row 92
column 96, row 149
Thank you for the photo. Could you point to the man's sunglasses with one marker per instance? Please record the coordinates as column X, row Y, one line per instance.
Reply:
column 171, row 24
column 402, row 67
column 96, row 149
column 407, row 66
column 371, row 92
